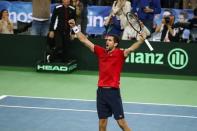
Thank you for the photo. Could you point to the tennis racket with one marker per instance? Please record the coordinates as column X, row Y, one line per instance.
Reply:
column 136, row 25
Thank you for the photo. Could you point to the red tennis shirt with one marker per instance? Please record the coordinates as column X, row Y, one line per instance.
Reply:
column 110, row 66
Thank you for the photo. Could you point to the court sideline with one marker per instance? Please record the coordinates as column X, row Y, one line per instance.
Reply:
column 39, row 113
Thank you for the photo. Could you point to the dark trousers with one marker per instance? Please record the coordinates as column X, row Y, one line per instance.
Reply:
column 58, row 47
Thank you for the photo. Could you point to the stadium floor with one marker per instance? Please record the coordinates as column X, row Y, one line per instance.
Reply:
column 170, row 99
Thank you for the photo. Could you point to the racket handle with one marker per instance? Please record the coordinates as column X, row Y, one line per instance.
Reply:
column 149, row 45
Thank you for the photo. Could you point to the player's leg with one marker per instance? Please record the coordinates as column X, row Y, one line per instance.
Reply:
column 102, row 124
column 103, row 109
column 123, row 125
column 117, row 109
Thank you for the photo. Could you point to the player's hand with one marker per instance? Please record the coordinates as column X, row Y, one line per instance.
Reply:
column 72, row 23
column 142, row 36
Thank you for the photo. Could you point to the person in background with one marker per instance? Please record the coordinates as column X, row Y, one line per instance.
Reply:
column 193, row 21
column 189, row 4
column 181, row 29
column 193, row 26
column 119, row 9
column 112, row 26
column 41, row 17
column 78, row 5
column 6, row 26
column 84, row 14
column 165, row 29
column 59, row 31
column 147, row 10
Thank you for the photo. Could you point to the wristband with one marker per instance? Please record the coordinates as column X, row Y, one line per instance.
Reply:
column 76, row 29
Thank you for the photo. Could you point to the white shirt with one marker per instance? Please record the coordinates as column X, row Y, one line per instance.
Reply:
column 4, row 27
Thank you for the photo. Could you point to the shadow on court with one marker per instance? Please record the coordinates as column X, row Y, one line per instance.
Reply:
column 50, row 114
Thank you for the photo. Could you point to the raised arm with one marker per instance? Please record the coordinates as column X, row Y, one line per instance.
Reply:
column 81, row 36
column 133, row 47
column 136, row 45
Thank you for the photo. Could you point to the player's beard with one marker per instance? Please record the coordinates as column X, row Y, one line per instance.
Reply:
column 109, row 48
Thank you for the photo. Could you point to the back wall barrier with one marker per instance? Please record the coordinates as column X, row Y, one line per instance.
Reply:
column 167, row 58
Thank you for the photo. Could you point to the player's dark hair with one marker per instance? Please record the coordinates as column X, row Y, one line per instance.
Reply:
column 116, row 38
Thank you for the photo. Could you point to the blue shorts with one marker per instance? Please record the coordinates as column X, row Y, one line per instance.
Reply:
column 109, row 102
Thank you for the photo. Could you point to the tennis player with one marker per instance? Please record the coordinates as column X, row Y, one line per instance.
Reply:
column 111, row 60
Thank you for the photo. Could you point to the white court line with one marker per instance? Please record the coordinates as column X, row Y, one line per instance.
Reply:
column 94, row 111
column 85, row 100
column 2, row 97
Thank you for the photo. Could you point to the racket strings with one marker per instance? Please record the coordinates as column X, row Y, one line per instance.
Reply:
column 134, row 22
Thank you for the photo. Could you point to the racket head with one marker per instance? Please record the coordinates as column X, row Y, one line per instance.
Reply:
column 134, row 21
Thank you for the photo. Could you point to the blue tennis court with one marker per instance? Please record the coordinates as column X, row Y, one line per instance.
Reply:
column 22, row 113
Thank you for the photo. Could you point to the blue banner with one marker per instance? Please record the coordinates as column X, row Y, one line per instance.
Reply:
column 96, row 16
column 22, row 11
column 18, row 11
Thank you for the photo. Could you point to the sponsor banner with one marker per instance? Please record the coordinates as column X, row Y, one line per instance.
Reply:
column 96, row 17
column 18, row 11
column 166, row 59
column 176, row 58
column 22, row 11
column 56, row 67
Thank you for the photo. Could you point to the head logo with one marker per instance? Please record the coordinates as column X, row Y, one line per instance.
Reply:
column 178, row 58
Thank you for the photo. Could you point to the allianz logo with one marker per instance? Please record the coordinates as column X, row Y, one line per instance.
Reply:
column 176, row 58
column 145, row 58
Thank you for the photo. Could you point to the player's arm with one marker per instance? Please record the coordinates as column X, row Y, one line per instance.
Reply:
column 81, row 36
column 85, row 41
column 134, row 46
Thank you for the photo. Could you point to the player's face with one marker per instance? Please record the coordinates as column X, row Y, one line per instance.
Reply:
column 110, row 44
